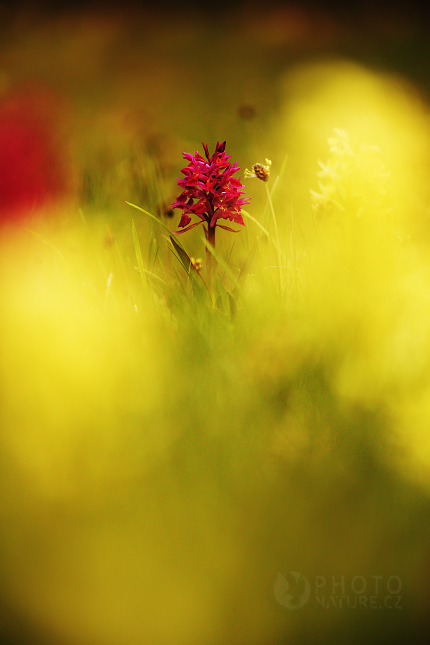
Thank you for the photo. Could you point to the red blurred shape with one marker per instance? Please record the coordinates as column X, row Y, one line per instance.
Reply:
column 32, row 160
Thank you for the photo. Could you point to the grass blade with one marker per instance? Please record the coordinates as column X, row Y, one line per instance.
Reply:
column 138, row 252
column 265, row 231
column 149, row 215
column 48, row 243
column 224, row 265
column 278, row 179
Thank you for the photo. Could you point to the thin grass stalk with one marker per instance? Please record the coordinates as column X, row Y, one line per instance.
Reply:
column 277, row 245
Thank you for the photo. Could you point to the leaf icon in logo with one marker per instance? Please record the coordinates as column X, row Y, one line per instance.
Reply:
column 293, row 591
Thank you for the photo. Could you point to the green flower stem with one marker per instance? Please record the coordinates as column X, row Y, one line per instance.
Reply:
column 210, row 259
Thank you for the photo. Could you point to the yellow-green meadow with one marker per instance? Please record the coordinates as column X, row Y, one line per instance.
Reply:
column 205, row 446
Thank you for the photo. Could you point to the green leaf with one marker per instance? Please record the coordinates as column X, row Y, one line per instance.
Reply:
column 183, row 256
column 185, row 260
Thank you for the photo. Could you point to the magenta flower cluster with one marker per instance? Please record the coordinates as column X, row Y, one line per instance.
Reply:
column 210, row 190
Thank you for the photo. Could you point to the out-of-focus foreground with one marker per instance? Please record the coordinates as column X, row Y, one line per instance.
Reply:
column 247, row 466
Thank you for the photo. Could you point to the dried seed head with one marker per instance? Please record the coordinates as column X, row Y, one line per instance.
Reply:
column 259, row 171
column 197, row 263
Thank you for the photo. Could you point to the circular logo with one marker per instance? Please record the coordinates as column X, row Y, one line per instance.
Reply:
column 292, row 591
